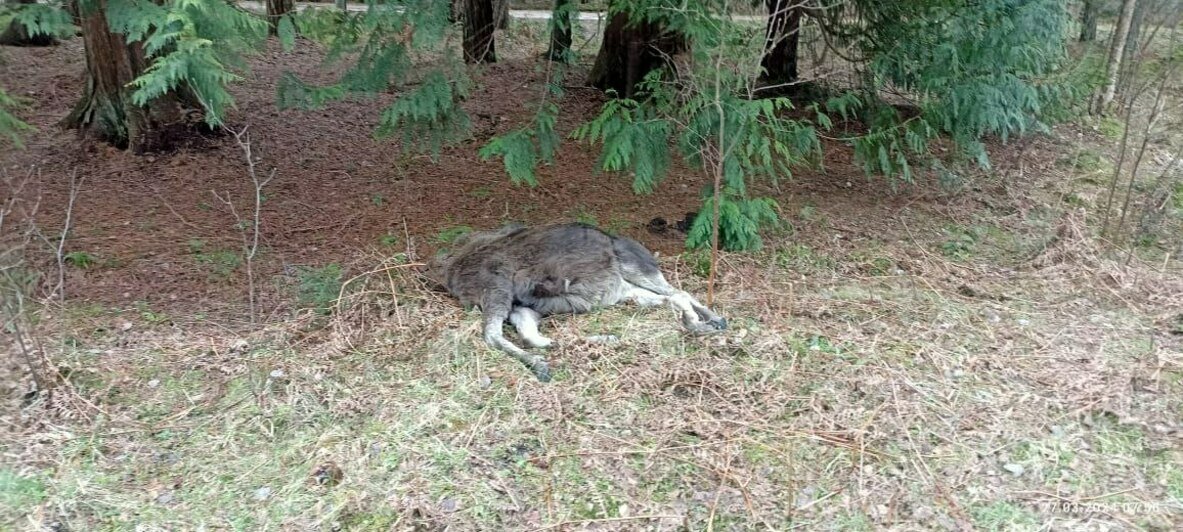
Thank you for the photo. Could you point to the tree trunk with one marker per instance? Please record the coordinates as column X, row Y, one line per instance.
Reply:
column 560, row 31
column 16, row 35
column 1129, row 59
column 1116, row 51
column 478, row 32
column 341, row 5
column 455, row 11
column 276, row 9
column 1088, row 20
column 501, row 14
column 106, row 109
column 629, row 52
column 780, row 42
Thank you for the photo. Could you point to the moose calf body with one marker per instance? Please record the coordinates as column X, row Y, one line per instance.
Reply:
column 520, row 274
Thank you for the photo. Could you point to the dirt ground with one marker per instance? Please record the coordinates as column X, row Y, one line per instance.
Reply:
column 916, row 358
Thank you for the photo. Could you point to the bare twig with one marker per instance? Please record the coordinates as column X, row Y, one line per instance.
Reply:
column 75, row 185
column 250, row 240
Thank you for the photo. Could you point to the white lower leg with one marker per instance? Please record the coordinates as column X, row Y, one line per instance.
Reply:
column 643, row 297
column 525, row 320
column 685, row 304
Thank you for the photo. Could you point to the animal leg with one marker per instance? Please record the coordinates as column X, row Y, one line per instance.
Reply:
column 525, row 320
column 643, row 297
column 495, row 307
column 696, row 317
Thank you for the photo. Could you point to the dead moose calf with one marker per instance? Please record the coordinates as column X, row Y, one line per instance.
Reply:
column 521, row 274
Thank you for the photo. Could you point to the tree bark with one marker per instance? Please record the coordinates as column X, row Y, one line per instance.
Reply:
column 106, row 109
column 455, row 11
column 1129, row 59
column 16, row 35
column 479, row 24
column 629, row 52
column 781, row 40
column 560, row 31
column 276, row 9
column 1088, row 20
column 1116, row 51
column 501, row 14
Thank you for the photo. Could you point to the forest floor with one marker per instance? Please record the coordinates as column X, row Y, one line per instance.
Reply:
column 916, row 358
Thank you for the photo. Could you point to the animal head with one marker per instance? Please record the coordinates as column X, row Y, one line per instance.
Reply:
column 437, row 268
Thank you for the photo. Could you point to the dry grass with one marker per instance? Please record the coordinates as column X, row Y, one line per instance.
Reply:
column 934, row 393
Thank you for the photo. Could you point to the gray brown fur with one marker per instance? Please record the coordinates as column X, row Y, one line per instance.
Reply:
column 519, row 274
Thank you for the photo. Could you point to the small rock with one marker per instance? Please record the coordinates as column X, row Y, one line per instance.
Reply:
column 1024, row 322
column 603, row 339
column 805, row 497
column 125, row 326
column 485, row 382
column 262, row 493
column 239, row 346
column 1014, row 469
column 449, row 505
column 165, row 498
column 276, row 374
column 153, row 383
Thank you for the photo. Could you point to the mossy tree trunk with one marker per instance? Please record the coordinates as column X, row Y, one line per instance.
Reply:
column 629, row 52
column 479, row 24
column 276, row 9
column 560, row 31
column 106, row 109
column 781, row 40
column 16, row 34
column 1088, row 20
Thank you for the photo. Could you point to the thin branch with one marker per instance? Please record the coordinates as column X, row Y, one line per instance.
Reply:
column 75, row 185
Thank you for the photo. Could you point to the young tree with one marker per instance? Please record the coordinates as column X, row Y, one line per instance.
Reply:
column 560, row 31
column 1088, row 20
column 148, row 65
column 633, row 46
column 276, row 9
column 1116, row 53
column 781, row 40
column 479, row 24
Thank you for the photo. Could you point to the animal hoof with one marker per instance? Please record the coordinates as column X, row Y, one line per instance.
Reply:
column 720, row 323
column 542, row 371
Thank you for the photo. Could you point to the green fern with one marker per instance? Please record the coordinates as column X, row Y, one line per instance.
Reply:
column 44, row 19
column 740, row 221
column 976, row 69
column 11, row 127
column 194, row 44
column 383, row 42
column 430, row 116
